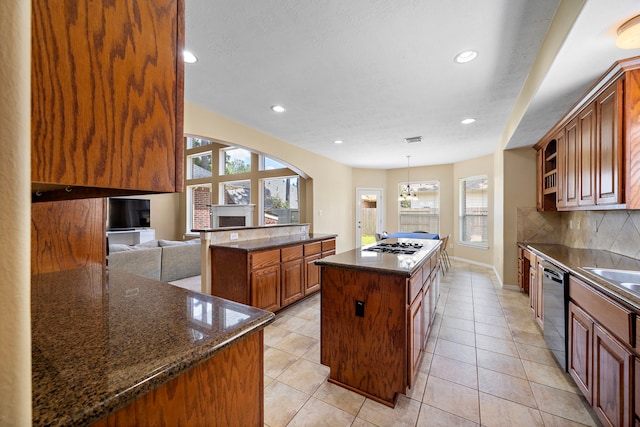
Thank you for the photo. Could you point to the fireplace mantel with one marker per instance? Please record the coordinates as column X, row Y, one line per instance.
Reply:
column 232, row 215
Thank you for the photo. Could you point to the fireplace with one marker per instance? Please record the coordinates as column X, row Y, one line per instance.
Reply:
column 232, row 216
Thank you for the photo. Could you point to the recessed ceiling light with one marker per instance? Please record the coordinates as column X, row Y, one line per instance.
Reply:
column 468, row 121
column 189, row 57
column 466, row 56
column 278, row 108
column 337, row 141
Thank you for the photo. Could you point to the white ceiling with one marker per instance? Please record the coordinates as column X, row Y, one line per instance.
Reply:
column 373, row 72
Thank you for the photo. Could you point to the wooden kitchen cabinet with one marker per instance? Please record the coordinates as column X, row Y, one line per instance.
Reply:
column 391, row 329
column 599, row 159
column 612, row 381
column 416, row 320
column 539, row 302
column 636, row 393
column 547, row 171
column 270, row 279
column 524, row 265
column 580, row 327
column 600, row 357
column 292, row 271
column 107, row 98
column 265, row 279
column 609, row 155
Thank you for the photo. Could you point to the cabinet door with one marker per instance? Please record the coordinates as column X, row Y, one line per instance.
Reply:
column 265, row 288
column 427, row 310
column 560, row 157
column 292, row 283
column 587, row 156
column 581, row 350
column 415, row 337
column 570, row 174
column 107, row 94
column 636, row 393
column 611, row 380
column 539, row 302
column 609, row 146
column 311, row 274
column 533, row 288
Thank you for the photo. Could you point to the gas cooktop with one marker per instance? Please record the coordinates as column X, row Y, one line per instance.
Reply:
column 396, row 248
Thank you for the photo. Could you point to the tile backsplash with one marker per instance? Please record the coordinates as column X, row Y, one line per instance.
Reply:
column 614, row 231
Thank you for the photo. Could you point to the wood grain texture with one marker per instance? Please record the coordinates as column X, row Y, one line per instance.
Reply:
column 67, row 235
column 632, row 139
column 581, row 350
column 609, row 154
column 311, row 274
column 226, row 390
column 230, row 275
column 356, row 347
column 292, row 281
column 107, row 95
column 611, row 380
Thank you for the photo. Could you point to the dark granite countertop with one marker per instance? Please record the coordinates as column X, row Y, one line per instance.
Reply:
column 572, row 259
column 405, row 265
column 100, row 339
column 273, row 242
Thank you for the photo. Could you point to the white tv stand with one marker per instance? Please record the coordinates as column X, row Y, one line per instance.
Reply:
column 131, row 237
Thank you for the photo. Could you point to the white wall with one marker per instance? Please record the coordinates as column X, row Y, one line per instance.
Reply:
column 15, row 213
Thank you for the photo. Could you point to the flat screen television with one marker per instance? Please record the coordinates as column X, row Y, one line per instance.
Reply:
column 128, row 214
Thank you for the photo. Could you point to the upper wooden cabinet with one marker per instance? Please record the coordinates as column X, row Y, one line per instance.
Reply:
column 598, row 147
column 107, row 97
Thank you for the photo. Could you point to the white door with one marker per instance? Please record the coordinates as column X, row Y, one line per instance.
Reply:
column 369, row 215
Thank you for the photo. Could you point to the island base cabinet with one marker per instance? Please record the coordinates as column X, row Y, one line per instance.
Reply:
column 225, row 390
column 364, row 332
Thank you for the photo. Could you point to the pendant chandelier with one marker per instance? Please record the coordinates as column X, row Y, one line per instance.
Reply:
column 406, row 193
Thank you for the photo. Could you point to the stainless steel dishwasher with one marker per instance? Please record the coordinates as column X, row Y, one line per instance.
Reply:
column 555, row 297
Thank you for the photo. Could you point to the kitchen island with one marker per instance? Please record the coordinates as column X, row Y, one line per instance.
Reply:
column 112, row 348
column 376, row 313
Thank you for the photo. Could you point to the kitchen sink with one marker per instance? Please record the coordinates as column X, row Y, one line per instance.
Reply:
column 628, row 279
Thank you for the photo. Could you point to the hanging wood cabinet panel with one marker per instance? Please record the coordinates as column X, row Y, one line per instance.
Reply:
column 107, row 97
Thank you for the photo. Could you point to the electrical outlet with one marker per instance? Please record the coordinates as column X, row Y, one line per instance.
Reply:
column 233, row 236
column 570, row 224
column 303, row 229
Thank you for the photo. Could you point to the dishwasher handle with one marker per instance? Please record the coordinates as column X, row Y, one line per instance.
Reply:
column 553, row 275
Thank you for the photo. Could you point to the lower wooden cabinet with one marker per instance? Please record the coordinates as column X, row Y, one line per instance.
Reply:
column 601, row 365
column 416, row 325
column 292, row 274
column 636, row 392
column 270, row 279
column 265, row 288
column 581, row 350
column 612, row 367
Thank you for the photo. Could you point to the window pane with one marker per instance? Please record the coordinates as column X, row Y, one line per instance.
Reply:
column 199, row 165
column 236, row 160
column 420, row 209
column 474, row 210
column 193, row 142
column 267, row 163
column 281, row 200
column 198, row 212
column 236, row 193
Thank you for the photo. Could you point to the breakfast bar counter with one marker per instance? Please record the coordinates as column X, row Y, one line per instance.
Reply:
column 106, row 343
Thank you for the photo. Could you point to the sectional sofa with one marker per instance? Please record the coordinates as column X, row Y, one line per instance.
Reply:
column 165, row 260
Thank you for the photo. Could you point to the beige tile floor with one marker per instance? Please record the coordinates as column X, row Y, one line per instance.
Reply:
column 486, row 364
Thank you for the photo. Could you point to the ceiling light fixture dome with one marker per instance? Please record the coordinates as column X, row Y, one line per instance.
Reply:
column 629, row 34
column 278, row 108
column 468, row 121
column 466, row 56
column 189, row 57
column 338, row 141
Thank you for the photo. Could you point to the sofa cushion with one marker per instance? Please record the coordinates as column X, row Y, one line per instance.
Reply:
column 147, row 244
column 180, row 261
column 143, row 262
column 119, row 247
column 164, row 243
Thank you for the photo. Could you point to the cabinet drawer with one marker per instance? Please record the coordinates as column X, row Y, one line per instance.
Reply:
column 615, row 318
column 415, row 285
column 328, row 245
column 312, row 248
column 265, row 258
column 291, row 252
